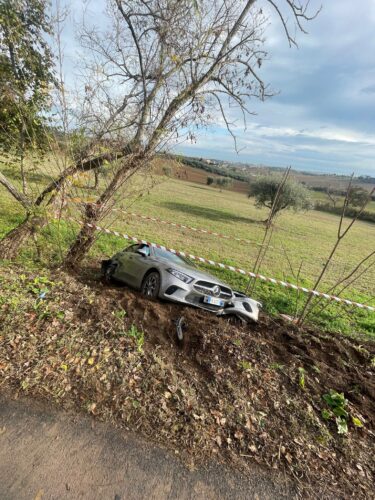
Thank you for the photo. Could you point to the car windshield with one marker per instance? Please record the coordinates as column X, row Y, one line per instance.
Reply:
column 164, row 254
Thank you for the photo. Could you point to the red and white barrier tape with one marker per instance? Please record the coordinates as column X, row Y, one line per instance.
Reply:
column 226, row 266
column 175, row 224
column 190, row 228
column 182, row 226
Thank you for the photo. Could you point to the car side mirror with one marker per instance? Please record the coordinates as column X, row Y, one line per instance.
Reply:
column 143, row 252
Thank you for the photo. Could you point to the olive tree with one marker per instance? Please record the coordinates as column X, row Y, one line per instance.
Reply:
column 267, row 193
column 358, row 196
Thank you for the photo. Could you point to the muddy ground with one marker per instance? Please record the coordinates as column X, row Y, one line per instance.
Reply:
column 238, row 394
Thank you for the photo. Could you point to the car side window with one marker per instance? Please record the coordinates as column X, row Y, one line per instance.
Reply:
column 132, row 248
column 147, row 248
column 143, row 246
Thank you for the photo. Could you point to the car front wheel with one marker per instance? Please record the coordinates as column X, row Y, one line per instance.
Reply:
column 151, row 284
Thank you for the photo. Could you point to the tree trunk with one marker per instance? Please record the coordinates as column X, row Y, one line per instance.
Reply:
column 96, row 177
column 12, row 241
column 80, row 247
column 94, row 212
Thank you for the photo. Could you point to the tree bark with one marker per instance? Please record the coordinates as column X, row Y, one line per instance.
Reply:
column 94, row 212
column 96, row 179
column 80, row 247
column 11, row 243
column 15, row 238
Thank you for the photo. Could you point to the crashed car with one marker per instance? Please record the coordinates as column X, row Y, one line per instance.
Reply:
column 161, row 274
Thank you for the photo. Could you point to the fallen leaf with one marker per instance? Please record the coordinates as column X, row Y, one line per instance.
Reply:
column 39, row 495
column 289, row 458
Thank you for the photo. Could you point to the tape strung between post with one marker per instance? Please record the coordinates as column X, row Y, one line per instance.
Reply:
column 226, row 266
column 174, row 224
column 182, row 226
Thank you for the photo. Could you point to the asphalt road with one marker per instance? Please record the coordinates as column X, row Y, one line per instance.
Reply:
column 50, row 454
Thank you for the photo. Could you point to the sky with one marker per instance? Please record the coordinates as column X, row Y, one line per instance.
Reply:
column 322, row 118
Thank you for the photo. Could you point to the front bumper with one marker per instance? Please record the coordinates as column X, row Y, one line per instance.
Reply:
column 237, row 305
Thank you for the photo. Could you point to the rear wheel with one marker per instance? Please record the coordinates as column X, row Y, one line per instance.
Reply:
column 151, row 284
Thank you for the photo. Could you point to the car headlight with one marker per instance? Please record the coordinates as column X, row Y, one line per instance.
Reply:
column 179, row 275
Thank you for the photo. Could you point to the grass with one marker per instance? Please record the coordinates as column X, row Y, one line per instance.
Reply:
column 300, row 244
column 228, row 394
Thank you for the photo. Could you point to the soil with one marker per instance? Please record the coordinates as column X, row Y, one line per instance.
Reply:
column 241, row 394
column 196, row 175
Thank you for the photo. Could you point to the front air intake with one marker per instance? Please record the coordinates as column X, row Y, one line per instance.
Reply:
column 247, row 307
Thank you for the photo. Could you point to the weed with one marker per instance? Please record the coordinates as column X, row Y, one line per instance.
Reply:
column 245, row 365
column 357, row 422
column 40, row 286
column 119, row 314
column 139, row 337
column 324, row 438
column 276, row 366
column 301, row 372
column 60, row 315
column 337, row 410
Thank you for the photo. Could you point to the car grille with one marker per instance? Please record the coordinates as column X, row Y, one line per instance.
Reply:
column 207, row 288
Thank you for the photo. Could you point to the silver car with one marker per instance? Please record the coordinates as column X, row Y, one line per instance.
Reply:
column 159, row 273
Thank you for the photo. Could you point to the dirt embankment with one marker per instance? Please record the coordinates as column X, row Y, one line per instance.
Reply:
column 241, row 394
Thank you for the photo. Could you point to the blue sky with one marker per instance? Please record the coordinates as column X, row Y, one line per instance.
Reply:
column 322, row 118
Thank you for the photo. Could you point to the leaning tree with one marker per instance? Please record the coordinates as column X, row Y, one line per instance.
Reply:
column 26, row 74
column 27, row 79
column 165, row 67
column 158, row 70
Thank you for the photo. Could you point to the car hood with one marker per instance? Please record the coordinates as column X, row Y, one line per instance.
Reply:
column 194, row 273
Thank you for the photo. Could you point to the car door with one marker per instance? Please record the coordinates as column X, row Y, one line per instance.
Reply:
column 134, row 265
column 124, row 262
column 139, row 264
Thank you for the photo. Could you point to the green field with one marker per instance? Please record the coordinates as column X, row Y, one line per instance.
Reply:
column 300, row 243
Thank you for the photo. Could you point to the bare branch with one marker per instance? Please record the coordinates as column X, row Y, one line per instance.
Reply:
column 20, row 197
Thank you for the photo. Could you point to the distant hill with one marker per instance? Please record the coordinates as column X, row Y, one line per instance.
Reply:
column 246, row 173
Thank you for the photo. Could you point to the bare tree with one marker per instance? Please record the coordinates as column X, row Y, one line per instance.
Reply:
column 268, row 230
column 160, row 69
column 344, row 282
column 341, row 234
column 332, row 196
column 165, row 67
column 62, row 164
